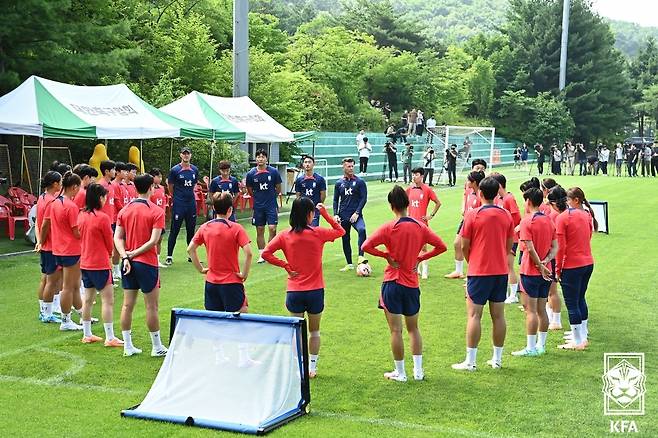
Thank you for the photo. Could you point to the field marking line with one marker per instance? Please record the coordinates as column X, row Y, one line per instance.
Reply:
column 405, row 425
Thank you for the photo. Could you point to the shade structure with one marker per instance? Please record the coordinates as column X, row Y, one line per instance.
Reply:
column 49, row 109
column 229, row 116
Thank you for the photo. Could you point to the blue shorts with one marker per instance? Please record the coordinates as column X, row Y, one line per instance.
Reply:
column 67, row 261
column 515, row 246
column 535, row 286
column 311, row 301
column 483, row 288
column 96, row 279
column 265, row 216
column 48, row 262
column 316, row 219
column 398, row 299
column 225, row 297
column 141, row 276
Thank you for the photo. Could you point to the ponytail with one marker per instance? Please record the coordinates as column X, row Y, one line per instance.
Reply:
column 558, row 196
column 577, row 193
column 591, row 211
column 70, row 179
column 51, row 177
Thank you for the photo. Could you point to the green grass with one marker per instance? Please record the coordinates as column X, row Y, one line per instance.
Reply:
column 53, row 385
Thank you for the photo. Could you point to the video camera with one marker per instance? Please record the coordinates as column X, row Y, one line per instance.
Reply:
column 3, row 180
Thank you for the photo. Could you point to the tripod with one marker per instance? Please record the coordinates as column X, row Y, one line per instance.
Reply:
column 383, row 178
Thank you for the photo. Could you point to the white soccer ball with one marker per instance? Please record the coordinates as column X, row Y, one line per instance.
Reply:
column 363, row 270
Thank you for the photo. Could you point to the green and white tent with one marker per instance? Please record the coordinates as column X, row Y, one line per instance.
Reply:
column 48, row 109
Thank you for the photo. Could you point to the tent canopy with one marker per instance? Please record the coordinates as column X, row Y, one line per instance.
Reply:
column 229, row 116
column 48, row 109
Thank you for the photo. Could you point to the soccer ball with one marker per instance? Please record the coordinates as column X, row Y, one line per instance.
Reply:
column 363, row 270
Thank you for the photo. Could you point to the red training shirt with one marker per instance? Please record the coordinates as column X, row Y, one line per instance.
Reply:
column 159, row 197
column 419, row 199
column 44, row 204
column 63, row 217
column 120, row 195
column 539, row 229
column 223, row 240
column 303, row 252
column 96, row 240
column 574, row 231
column 488, row 229
column 404, row 239
column 138, row 219
column 109, row 208
column 132, row 190
column 81, row 198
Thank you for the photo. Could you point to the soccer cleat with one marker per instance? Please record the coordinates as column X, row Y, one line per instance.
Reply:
column 261, row 260
column 394, row 375
column 131, row 350
column 419, row 374
column 496, row 365
column 40, row 317
column 169, row 261
column 554, row 326
column 91, row 339
column 51, row 319
column 162, row 265
column 525, row 353
column 454, row 274
column 511, row 299
column 572, row 346
column 540, row 351
column 464, row 366
column 70, row 325
column 114, row 342
column 361, row 259
column 348, row 267
column 159, row 352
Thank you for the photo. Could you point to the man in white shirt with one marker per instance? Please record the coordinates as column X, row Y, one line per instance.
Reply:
column 619, row 158
column 604, row 156
column 364, row 154
column 430, row 125
column 359, row 137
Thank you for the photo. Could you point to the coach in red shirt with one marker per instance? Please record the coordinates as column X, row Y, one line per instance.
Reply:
column 487, row 238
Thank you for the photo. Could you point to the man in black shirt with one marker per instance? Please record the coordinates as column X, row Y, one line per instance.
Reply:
column 631, row 159
column 654, row 160
column 391, row 155
column 581, row 155
column 451, row 162
column 539, row 150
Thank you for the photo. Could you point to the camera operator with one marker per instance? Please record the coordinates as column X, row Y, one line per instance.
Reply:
column 631, row 160
column 407, row 159
column 619, row 158
column 429, row 157
column 581, row 155
column 539, row 150
column 557, row 160
column 604, row 157
column 451, row 163
column 392, row 156
column 654, row 159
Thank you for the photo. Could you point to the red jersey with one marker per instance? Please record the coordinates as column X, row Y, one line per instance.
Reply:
column 539, row 229
column 81, row 198
column 545, row 208
column 159, row 197
column 63, row 217
column 419, row 199
column 508, row 202
column 471, row 202
column 132, row 190
column 553, row 215
column 109, row 208
column 138, row 219
column 44, row 204
column 404, row 239
column 574, row 232
column 121, row 197
column 303, row 252
column 223, row 240
column 488, row 229
column 96, row 240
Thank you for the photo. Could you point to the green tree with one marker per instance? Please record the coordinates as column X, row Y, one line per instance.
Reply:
column 481, row 83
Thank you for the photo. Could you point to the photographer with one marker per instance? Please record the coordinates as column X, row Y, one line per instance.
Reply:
column 539, row 150
column 407, row 159
column 581, row 156
column 654, row 159
column 631, row 160
column 429, row 157
column 451, row 164
column 557, row 160
column 619, row 158
column 391, row 155
column 604, row 157
column 570, row 152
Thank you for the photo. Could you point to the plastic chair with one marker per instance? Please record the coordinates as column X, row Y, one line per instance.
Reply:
column 245, row 197
column 6, row 212
column 200, row 198
column 19, row 200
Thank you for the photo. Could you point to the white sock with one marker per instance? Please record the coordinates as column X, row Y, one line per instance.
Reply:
column 497, row 354
column 418, row 362
column 541, row 339
column 532, row 342
column 459, row 266
column 313, row 362
column 260, row 253
column 117, row 270
column 425, row 267
column 549, row 313
column 471, row 355
column 576, row 330
column 557, row 317
column 584, row 329
column 47, row 309
column 513, row 287
column 399, row 367
column 40, row 306
column 86, row 328
column 109, row 330
column 56, row 301
column 66, row 317
column 127, row 338
column 155, row 340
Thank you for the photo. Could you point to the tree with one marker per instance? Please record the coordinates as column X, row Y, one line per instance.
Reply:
column 481, row 85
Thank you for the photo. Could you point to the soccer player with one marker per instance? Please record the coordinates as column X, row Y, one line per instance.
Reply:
column 507, row 201
column 302, row 247
column 181, row 181
column 223, row 239
column 554, row 304
column 63, row 217
column 130, row 181
column 137, row 233
column 264, row 185
column 122, row 197
column 159, row 198
column 51, row 279
column 225, row 183
column 487, row 238
column 350, row 196
column 403, row 238
column 97, row 245
column 108, row 169
column 88, row 176
column 575, row 263
column 471, row 201
column 420, row 195
column 538, row 235
column 312, row 186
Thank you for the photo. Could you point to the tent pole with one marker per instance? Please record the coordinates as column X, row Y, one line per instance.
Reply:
column 171, row 152
column 39, row 176
column 313, row 150
column 212, row 154
column 141, row 156
column 22, row 160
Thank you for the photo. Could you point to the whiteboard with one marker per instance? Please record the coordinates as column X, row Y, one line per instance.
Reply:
column 600, row 209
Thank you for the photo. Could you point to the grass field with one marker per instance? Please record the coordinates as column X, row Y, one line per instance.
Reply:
column 52, row 385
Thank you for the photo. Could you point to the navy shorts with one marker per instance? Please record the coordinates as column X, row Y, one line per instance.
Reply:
column 67, row 261
column 483, row 288
column 265, row 216
column 96, row 278
column 48, row 262
column 316, row 219
column 225, row 297
column 141, row 276
column 311, row 301
column 398, row 299
column 535, row 286
column 461, row 225
column 515, row 246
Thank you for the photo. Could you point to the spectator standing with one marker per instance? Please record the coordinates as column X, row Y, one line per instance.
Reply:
column 539, row 150
column 392, row 156
column 654, row 159
column 581, row 155
column 412, row 119
column 451, row 162
column 359, row 137
column 557, row 161
column 364, row 155
column 428, row 158
column 420, row 123
column 619, row 158
column 387, row 112
column 517, row 156
column 430, row 125
column 524, row 156
column 570, row 152
column 604, row 156
column 407, row 159
column 631, row 160
column 646, row 162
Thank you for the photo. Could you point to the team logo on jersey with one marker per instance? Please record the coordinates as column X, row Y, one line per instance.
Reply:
column 269, row 178
column 230, row 185
column 187, row 183
column 353, row 183
column 309, row 192
column 158, row 202
column 415, row 204
column 623, row 384
column 263, row 186
column 348, row 192
column 421, row 196
column 313, row 184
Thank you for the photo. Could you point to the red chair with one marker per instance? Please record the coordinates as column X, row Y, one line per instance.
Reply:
column 7, row 211
column 245, row 197
column 17, row 194
column 14, row 196
column 200, row 198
